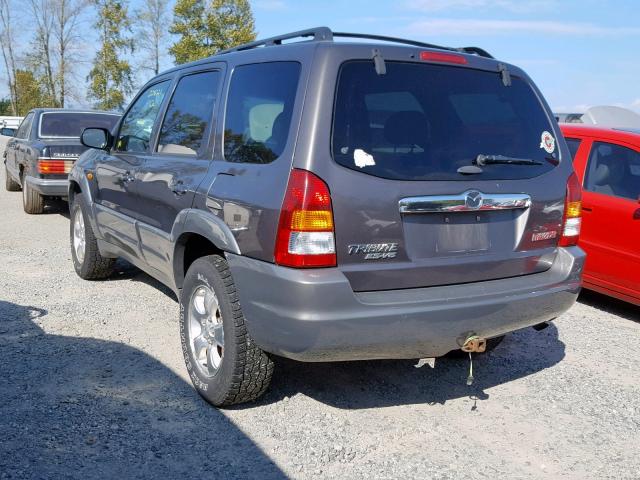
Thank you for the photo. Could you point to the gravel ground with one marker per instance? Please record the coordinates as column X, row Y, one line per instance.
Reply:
column 93, row 385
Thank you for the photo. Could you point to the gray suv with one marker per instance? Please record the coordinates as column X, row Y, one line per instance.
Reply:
column 323, row 200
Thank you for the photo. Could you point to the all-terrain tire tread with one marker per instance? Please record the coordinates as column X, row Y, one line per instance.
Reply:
column 254, row 368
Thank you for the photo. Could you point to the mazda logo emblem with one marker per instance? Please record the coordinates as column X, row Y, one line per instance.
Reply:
column 473, row 200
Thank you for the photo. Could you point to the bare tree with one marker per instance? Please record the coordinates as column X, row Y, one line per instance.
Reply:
column 153, row 22
column 67, row 16
column 43, row 17
column 8, row 55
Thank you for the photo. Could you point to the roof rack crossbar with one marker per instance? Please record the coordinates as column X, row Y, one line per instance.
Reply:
column 325, row 34
column 318, row 34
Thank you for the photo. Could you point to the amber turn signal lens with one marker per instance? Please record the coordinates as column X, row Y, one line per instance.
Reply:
column 311, row 220
column 574, row 209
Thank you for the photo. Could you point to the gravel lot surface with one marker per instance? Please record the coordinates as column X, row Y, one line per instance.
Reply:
column 93, row 385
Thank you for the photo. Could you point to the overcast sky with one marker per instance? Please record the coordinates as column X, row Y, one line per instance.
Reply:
column 579, row 52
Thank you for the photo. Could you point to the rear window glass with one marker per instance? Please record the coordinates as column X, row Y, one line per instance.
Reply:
column 423, row 122
column 259, row 108
column 70, row 124
column 573, row 144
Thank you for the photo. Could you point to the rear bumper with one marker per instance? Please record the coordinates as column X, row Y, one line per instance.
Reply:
column 49, row 187
column 314, row 315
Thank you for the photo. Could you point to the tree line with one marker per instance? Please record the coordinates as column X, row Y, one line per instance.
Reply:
column 46, row 74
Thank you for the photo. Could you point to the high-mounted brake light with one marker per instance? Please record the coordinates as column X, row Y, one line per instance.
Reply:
column 305, row 232
column 572, row 213
column 443, row 57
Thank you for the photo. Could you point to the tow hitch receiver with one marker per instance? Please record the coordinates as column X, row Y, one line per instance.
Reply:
column 473, row 344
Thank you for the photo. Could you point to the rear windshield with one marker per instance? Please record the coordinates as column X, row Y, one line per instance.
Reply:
column 423, row 122
column 63, row 124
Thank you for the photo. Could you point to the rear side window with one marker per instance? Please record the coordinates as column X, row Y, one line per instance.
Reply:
column 259, row 109
column 189, row 115
column 573, row 144
column 423, row 122
column 71, row 124
column 25, row 127
column 613, row 170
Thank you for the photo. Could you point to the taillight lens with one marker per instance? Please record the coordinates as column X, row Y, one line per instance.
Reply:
column 47, row 166
column 305, row 232
column 572, row 213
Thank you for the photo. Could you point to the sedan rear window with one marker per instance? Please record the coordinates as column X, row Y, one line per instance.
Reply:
column 71, row 124
column 424, row 121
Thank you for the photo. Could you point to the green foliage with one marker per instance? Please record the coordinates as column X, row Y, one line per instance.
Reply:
column 5, row 107
column 206, row 26
column 30, row 92
column 111, row 78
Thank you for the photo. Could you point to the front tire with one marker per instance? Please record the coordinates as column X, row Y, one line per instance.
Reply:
column 87, row 261
column 9, row 183
column 225, row 365
column 32, row 201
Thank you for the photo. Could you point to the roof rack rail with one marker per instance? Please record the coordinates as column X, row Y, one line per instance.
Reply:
column 325, row 34
column 318, row 34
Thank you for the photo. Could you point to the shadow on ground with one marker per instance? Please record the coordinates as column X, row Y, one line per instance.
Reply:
column 373, row 384
column 610, row 305
column 85, row 408
column 361, row 385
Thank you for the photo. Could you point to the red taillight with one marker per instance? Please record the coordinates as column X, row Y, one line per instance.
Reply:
column 572, row 220
column 48, row 167
column 443, row 57
column 305, row 232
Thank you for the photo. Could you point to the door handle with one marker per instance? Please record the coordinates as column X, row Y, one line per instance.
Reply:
column 127, row 177
column 636, row 214
column 179, row 188
column 587, row 209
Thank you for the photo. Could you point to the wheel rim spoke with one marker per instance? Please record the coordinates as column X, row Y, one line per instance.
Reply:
column 206, row 332
column 79, row 239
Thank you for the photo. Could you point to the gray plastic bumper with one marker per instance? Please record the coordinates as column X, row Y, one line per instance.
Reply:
column 48, row 187
column 314, row 315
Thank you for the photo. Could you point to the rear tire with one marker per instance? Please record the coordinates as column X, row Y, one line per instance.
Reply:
column 9, row 183
column 87, row 261
column 225, row 365
column 32, row 201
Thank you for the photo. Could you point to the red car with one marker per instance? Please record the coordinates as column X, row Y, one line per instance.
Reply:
column 607, row 161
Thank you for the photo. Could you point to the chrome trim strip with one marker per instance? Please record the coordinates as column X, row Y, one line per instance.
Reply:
column 469, row 201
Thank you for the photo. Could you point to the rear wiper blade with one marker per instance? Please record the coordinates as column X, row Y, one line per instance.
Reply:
column 502, row 160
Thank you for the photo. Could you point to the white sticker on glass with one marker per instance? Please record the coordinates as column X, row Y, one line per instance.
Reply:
column 547, row 142
column 363, row 159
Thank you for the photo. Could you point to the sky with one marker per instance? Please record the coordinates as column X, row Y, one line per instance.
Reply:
column 580, row 53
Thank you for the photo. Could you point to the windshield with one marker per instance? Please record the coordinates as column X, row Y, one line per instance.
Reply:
column 424, row 121
column 71, row 124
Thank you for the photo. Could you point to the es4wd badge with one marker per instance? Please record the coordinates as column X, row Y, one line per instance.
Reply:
column 374, row 251
column 547, row 142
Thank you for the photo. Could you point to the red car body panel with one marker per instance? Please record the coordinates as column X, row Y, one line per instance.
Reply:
column 610, row 224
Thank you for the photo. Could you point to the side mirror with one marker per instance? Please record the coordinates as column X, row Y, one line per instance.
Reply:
column 8, row 132
column 99, row 138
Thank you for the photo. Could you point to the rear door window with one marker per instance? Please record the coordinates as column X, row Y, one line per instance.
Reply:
column 189, row 115
column 573, row 144
column 25, row 127
column 423, row 122
column 71, row 124
column 613, row 170
column 259, row 109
